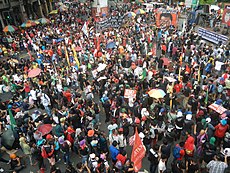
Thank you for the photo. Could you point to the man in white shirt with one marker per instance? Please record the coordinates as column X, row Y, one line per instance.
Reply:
column 45, row 101
column 162, row 164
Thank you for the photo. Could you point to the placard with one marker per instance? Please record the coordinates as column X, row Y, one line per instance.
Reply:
column 130, row 93
column 218, row 108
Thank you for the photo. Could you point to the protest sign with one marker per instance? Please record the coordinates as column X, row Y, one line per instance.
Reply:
column 218, row 108
column 130, row 93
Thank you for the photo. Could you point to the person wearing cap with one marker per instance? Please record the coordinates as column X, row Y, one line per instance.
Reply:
column 220, row 130
column 179, row 123
column 189, row 124
column 121, row 139
column 65, row 147
column 16, row 163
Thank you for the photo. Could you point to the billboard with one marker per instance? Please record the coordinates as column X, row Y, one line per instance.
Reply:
column 165, row 18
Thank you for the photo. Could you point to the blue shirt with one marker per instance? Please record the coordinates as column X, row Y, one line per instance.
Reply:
column 114, row 152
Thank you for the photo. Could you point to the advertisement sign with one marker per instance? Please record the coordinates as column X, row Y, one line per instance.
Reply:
column 166, row 18
column 212, row 36
column 226, row 15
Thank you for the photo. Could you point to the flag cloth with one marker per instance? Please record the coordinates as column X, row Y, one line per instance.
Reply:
column 67, row 56
column 144, row 73
column 206, row 98
column 85, row 29
column 138, row 152
column 198, row 73
column 98, row 47
column 12, row 120
column 75, row 57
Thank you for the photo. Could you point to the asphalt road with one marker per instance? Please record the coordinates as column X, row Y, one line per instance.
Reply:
column 74, row 158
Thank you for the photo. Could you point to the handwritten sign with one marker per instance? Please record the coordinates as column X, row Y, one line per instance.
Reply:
column 130, row 93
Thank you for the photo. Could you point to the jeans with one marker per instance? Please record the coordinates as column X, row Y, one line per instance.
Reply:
column 97, row 117
column 152, row 168
column 84, row 159
column 66, row 157
column 48, row 111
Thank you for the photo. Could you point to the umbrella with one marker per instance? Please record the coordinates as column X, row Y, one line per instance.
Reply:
column 44, row 20
column 131, row 14
column 10, row 28
column 110, row 45
column 140, row 11
column 156, row 93
column 45, row 129
column 8, row 139
column 28, row 24
column 166, row 61
column 34, row 72
column 54, row 12
column 78, row 49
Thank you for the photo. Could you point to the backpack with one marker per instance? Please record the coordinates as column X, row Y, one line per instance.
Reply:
column 176, row 152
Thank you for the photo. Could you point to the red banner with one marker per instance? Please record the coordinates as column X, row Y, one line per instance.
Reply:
column 138, row 152
column 226, row 15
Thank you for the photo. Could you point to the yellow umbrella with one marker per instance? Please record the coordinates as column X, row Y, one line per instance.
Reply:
column 54, row 12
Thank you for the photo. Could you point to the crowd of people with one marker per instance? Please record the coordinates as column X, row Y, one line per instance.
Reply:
column 82, row 82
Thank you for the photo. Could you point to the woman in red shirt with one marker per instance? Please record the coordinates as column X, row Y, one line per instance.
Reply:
column 220, row 130
column 26, row 88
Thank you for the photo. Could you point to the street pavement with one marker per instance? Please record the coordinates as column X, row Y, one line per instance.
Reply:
column 74, row 158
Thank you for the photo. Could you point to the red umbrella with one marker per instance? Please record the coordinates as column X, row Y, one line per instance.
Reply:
column 45, row 129
column 166, row 61
column 34, row 72
column 78, row 49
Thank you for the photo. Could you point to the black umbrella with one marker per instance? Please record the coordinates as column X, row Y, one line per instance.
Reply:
column 8, row 139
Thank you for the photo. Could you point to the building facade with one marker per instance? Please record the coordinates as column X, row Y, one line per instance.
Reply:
column 15, row 12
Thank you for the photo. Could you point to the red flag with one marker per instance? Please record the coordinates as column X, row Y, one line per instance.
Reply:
column 98, row 44
column 138, row 152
